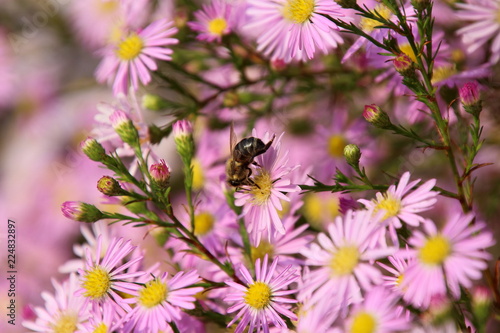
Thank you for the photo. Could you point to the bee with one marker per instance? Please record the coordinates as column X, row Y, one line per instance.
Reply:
column 242, row 154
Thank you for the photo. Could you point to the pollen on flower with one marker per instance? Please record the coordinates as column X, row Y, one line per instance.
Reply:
column 96, row 283
column 442, row 73
column 336, row 144
column 101, row 328
column 261, row 192
column 435, row 250
column 363, row 322
column 299, row 11
column 198, row 175
column 130, row 48
column 203, row 223
column 65, row 324
column 390, row 204
column 406, row 49
column 344, row 260
column 217, row 26
column 108, row 6
column 260, row 251
column 367, row 25
column 258, row 295
column 153, row 293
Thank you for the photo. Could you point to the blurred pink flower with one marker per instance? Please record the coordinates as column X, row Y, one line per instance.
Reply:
column 131, row 59
column 214, row 20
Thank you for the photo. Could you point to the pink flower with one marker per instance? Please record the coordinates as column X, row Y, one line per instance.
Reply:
column 261, row 203
column 344, row 258
column 401, row 204
column 259, row 301
column 484, row 26
column 293, row 29
column 159, row 301
column 445, row 260
column 214, row 20
column 131, row 59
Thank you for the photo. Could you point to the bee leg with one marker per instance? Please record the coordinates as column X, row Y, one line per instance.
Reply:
column 266, row 147
column 250, row 180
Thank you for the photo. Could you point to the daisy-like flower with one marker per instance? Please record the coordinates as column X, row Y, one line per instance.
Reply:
column 344, row 257
column 102, row 280
column 101, row 320
column 400, row 204
column 260, row 301
column 484, row 26
column 394, row 282
column 294, row 29
column 378, row 313
column 213, row 21
column 131, row 59
column 159, row 301
column 261, row 203
column 445, row 260
column 63, row 312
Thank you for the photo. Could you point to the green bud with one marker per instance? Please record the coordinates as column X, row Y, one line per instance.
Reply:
column 352, row 154
column 183, row 137
column 81, row 211
column 109, row 186
column 93, row 149
column 124, row 128
column 376, row 116
column 154, row 102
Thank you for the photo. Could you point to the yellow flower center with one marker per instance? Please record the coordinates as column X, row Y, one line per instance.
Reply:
column 203, row 224
column 299, row 11
column 262, row 193
column 198, row 175
column 260, row 251
column 258, row 295
column 217, row 26
column 435, row 250
column 101, row 328
column 65, row 324
column 96, row 282
column 406, row 49
column 390, row 204
column 363, row 322
column 107, row 7
column 315, row 205
column 344, row 260
column 442, row 73
column 153, row 293
column 367, row 25
column 130, row 47
column 336, row 144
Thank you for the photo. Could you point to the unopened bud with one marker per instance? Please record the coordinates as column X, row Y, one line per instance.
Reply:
column 420, row 5
column 376, row 116
column 481, row 303
column 439, row 309
column 352, row 154
column 404, row 65
column 278, row 65
column 124, row 127
column 81, row 211
column 110, row 186
column 183, row 137
column 153, row 102
column 470, row 98
column 93, row 149
column 160, row 173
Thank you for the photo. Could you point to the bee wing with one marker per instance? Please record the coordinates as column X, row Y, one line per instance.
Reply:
column 232, row 139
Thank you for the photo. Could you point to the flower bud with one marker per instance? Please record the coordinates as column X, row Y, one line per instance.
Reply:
column 153, row 102
column 124, row 127
column 109, row 186
column 376, row 116
column 183, row 137
column 278, row 65
column 352, row 154
column 404, row 65
column 439, row 310
column 470, row 98
column 81, row 211
column 160, row 173
column 481, row 303
column 420, row 5
column 93, row 149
